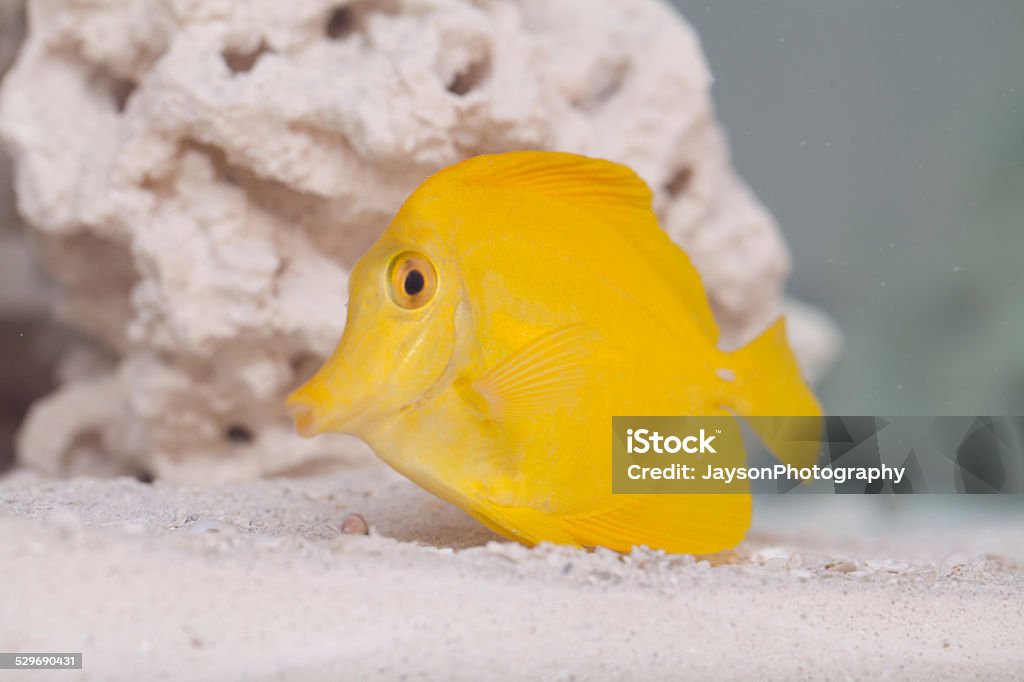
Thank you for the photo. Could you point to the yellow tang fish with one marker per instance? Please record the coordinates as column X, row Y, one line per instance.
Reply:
column 514, row 305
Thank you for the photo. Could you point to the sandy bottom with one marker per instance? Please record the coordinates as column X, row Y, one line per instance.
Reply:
column 255, row 581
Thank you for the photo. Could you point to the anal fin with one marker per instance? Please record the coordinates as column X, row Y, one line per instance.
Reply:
column 677, row 524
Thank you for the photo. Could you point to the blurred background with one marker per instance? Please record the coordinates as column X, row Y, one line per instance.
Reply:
column 29, row 346
column 888, row 141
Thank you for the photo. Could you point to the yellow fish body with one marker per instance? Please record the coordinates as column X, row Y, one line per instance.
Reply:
column 514, row 305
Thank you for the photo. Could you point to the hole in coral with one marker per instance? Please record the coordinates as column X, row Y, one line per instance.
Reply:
column 305, row 365
column 225, row 171
column 604, row 86
column 243, row 61
column 239, row 433
column 230, row 175
column 341, row 23
column 121, row 91
column 609, row 84
column 89, row 439
column 106, row 84
column 345, row 20
column 470, row 78
column 679, row 182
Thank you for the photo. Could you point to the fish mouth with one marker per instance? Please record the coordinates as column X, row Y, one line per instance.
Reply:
column 306, row 422
column 311, row 420
column 311, row 416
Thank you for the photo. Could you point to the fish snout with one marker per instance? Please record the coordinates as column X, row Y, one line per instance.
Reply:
column 318, row 406
column 349, row 392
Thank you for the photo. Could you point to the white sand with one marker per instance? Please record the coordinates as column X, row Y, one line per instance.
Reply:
column 254, row 581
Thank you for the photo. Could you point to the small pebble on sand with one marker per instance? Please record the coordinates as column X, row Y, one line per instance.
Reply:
column 354, row 524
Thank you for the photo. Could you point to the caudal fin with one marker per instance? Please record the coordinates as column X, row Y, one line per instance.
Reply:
column 768, row 383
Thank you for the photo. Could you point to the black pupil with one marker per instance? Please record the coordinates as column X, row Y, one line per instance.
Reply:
column 414, row 282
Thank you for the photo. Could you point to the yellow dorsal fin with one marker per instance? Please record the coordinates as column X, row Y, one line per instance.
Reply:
column 597, row 183
column 540, row 375
column 617, row 197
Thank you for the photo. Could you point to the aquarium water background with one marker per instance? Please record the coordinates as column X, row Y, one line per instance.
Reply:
column 888, row 141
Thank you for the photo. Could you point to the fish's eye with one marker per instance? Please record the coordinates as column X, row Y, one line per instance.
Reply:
column 413, row 280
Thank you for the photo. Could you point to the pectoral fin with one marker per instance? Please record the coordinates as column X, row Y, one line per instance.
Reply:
column 541, row 375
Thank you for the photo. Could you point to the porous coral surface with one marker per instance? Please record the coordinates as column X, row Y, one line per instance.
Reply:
column 200, row 175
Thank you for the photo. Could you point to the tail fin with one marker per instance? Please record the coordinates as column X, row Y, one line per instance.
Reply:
column 768, row 384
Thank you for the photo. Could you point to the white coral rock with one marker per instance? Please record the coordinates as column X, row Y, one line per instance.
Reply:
column 200, row 175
